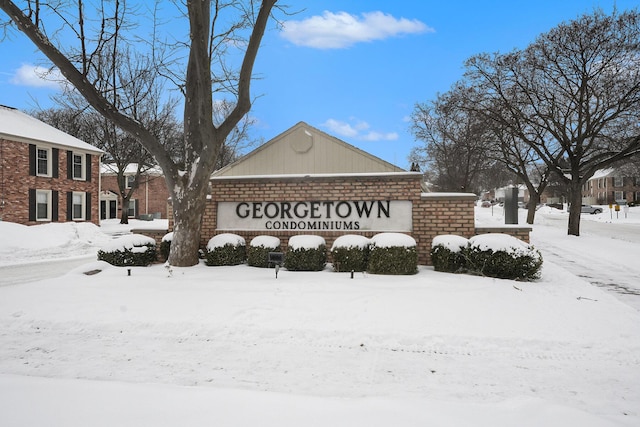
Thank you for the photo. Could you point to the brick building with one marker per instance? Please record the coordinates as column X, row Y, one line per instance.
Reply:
column 46, row 175
column 305, row 181
column 149, row 195
column 611, row 186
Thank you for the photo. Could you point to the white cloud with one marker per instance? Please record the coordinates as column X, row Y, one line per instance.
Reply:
column 378, row 136
column 340, row 128
column 341, row 29
column 358, row 130
column 36, row 76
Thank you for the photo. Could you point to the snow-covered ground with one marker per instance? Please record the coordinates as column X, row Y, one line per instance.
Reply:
column 234, row 346
column 605, row 254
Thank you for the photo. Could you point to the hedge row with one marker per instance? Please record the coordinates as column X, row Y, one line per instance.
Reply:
column 133, row 250
column 493, row 255
column 385, row 253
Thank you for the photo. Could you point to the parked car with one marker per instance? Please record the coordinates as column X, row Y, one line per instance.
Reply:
column 590, row 209
column 486, row 204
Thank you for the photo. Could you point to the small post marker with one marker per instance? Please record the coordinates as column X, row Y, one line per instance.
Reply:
column 352, row 274
column 128, row 272
column 276, row 258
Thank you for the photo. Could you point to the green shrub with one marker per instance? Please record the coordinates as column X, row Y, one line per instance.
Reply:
column 393, row 253
column 165, row 246
column 225, row 249
column 133, row 250
column 259, row 248
column 350, row 253
column 503, row 256
column 449, row 253
column 306, row 253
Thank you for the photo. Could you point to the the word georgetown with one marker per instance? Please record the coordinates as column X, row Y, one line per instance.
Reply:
column 305, row 181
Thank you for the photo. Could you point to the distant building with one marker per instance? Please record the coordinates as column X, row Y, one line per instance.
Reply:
column 149, row 198
column 46, row 175
column 523, row 193
column 611, row 186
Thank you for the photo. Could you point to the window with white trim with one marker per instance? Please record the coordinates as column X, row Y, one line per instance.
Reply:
column 78, row 166
column 617, row 181
column 132, row 208
column 43, row 161
column 43, row 205
column 618, row 195
column 130, row 180
column 78, row 205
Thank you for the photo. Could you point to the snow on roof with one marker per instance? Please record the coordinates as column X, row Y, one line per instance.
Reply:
column 18, row 126
column 602, row 173
column 130, row 169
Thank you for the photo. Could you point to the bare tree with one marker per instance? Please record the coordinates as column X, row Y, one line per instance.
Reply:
column 120, row 148
column 239, row 140
column 573, row 96
column 55, row 27
column 455, row 145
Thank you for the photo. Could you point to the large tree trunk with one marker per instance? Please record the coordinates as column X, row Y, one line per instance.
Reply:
column 185, row 244
column 534, row 199
column 575, row 207
column 188, row 188
column 189, row 199
column 124, row 214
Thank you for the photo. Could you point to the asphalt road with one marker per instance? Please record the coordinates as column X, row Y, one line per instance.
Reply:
column 592, row 264
column 33, row 271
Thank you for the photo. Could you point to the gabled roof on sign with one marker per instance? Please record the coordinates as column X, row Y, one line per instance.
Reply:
column 304, row 149
column 18, row 126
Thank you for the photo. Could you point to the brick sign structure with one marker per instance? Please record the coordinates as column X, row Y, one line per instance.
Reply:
column 305, row 181
column 333, row 205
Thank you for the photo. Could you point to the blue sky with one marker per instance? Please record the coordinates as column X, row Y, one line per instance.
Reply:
column 355, row 68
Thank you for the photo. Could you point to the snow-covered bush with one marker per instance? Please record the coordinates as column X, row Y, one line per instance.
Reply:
column 350, row 253
column 225, row 249
column 165, row 245
column 259, row 248
column 449, row 253
column 503, row 256
column 129, row 250
column 306, row 253
column 393, row 253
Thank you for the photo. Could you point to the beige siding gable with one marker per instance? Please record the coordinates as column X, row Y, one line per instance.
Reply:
column 304, row 149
